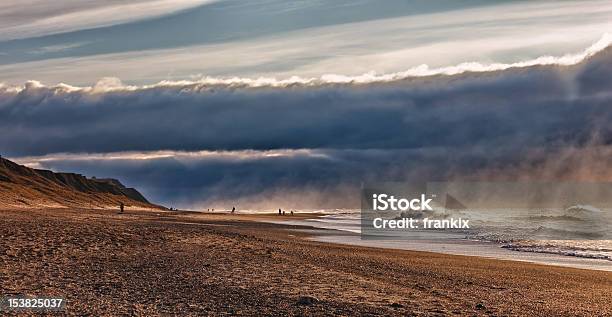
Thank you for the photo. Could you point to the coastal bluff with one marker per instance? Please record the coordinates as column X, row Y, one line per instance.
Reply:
column 25, row 187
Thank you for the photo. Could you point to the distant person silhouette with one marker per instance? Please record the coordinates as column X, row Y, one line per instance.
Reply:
column 279, row 211
column 233, row 209
column 292, row 212
column 121, row 207
column 283, row 212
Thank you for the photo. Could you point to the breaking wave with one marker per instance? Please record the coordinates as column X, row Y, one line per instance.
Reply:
column 601, row 250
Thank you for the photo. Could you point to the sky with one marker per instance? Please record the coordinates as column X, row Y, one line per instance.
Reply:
column 261, row 103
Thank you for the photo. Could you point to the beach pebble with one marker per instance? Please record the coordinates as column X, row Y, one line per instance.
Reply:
column 307, row 300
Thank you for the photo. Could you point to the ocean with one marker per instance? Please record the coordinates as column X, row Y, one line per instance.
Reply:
column 577, row 236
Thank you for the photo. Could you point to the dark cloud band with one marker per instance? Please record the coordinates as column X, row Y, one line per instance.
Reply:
column 435, row 127
column 543, row 105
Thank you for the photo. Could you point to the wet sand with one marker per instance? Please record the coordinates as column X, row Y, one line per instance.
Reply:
column 159, row 263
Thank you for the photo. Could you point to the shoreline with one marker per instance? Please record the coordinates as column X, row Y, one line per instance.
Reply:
column 464, row 247
column 152, row 263
column 305, row 222
column 479, row 249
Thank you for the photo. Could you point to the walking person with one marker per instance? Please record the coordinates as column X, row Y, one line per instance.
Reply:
column 121, row 207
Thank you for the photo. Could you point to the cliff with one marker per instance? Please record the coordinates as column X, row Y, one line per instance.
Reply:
column 24, row 187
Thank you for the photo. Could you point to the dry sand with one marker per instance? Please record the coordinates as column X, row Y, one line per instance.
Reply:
column 148, row 263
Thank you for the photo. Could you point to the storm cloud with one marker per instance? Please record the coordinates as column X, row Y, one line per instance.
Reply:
column 234, row 142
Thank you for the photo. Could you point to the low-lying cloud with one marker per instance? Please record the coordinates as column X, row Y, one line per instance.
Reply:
column 323, row 141
column 307, row 179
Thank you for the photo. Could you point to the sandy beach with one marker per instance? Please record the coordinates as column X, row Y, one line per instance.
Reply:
column 159, row 263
